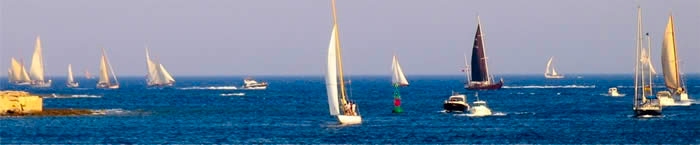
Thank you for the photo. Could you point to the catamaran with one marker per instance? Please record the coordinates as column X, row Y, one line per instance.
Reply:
column 105, row 70
column 338, row 101
column 669, row 63
column 551, row 72
column 398, row 80
column 480, row 77
column 36, row 70
column 17, row 74
column 157, row 75
column 70, row 82
column 645, row 103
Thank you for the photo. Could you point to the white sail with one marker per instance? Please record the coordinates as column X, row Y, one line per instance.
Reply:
column 70, row 74
column 332, row 75
column 167, row 78
column 398, row 76
column 554, row 72
column 152, row 70
column 669, row 59
column 19, row 73
column 551, row 71
column 647, row 60
column 549, row 66
column 157, row 74
column 37, row 67
column 104, row 73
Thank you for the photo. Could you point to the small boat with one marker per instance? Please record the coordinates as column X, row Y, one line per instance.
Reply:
column 398, row 80
column 645, row 103
column 665, row 98
column 157, row 76
column 479, row 108
column 17, row 75
column 70, row 82
column 613, row 92
column 105, row 69
column 339, row 102
column 480, row 77
column 551, row 72
column 36, row 70
column 456, row 102
column 670, row 64
column 251, row 84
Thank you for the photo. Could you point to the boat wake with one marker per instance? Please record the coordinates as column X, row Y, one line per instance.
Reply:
column 210, row 88
column 233, row 94
column 112, row 112
column 549, row 87
column 474, row 115
column 71, row 96
column 621, row 95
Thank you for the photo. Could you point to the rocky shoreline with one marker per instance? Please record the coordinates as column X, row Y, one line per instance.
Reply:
column 53, row 112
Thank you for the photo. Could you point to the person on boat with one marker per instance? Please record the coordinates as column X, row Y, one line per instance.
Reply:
column 353, row 107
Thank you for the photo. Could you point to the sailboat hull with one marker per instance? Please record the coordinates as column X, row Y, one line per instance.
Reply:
column 553, row 76
column 41, row 84
column 72, row 85
column 641, row 113
column 484, row 86
column 347, row 120
column 107, row 86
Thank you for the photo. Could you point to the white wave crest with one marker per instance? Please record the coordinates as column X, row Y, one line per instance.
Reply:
column 72, row 96
column 110, row 112
column 621, row 95
column 210, row 88
column 549, row 87
column 233, row 94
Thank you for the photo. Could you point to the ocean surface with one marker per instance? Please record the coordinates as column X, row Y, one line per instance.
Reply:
column 529, row 109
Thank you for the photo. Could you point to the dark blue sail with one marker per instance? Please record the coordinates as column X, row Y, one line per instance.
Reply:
column 478, row 64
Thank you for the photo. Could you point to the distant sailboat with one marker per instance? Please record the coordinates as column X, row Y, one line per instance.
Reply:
column 157, row 75
column 551, row 72
column 669, row 63
column 70, row 82
column 17, row 74
column 105, row 69
column 480, row 77
column 398, row 79
column 36, row 71
column 87, row 74
column 645, row 103
column 338, row 102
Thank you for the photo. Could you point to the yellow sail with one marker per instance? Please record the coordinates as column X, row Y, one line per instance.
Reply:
column 669, row 61
column 37, row 68
column 104, row 73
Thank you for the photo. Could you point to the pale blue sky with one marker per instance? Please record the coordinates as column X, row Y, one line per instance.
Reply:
column 290, row 37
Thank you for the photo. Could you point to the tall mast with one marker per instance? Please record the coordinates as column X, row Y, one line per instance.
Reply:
column 339, row 59
column 636, row 62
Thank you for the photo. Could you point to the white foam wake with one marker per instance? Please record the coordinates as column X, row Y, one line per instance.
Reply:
column 549, row 87
column 621, row 95
column 110, row 112
column 210, row 88
column 72, row 96
column 480, row 115
column 233, row 94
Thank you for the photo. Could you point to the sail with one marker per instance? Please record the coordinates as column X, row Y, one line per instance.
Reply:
column 70, row 74
column 166, row 77
column 332, row 75
column 37, row 67
column 479, row 70
column 669, row 61
column 647, row 60
column 19, row 73
column 398, row 77
column 104, row 74
column 549, row 66
column 152, row 70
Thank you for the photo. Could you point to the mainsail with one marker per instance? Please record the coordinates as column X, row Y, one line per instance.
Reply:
column 669, row 59
column 17, row 73
column 550, row 70
column 479, row 69
column 332, row 75
column 105, row 69
column 398, row 77
column 157, row 75
column 37, row 68
column 70, row 74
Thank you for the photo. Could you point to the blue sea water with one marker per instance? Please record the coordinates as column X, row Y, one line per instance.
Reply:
column 529, row 109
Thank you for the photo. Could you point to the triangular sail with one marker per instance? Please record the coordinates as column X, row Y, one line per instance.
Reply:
column 167, row 78
column 37, row 67
column 152, row 70
column 104, row 73
column 669, row 59
column 70, row 74
column 331, row 75
column 479, row 71
column 398, row 76
column 549, row 66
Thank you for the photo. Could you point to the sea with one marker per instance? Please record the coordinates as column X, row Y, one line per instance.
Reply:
column 294, row 109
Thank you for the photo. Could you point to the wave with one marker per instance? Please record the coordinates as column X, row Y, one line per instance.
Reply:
column 72, row 96
column 549, row 87
column 233, row 94
column 111, row 112
column 210, row 88
column 621, row 95
column 658, row 86
column 493, row 114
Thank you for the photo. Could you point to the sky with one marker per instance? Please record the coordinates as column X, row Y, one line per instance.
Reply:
column 290, row 37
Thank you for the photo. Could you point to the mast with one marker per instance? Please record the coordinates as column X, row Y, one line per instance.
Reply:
column 339, row 59
column 636, row 62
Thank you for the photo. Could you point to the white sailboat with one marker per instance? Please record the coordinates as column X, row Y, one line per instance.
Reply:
column 17, row 74
column 645, row 103
column 157, row 75
column 345, row 111
column 70, row 82
column 399, row 78
column 551, row 72
column 105, row 69
column 36, row 70
column 669, row 63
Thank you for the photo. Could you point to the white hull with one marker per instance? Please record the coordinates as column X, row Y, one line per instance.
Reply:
column 347, row 120
column 106, row 86
column 72, row 85
column 554, row 76
column 613, row 93
column 39, row 84
column 255, row 88
column 480, row 111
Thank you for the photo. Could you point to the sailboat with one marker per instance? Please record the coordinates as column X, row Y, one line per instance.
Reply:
column 105, row 69
column 70, row 82
column 551, row 72
column 669, row 63
column 87, row 74
column 645, row 103
column 398, row 80
column 338, row 102
column 17, row 74
column 36, row 70
column 157, row 75
column 480, row 77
